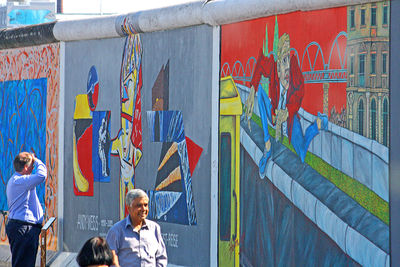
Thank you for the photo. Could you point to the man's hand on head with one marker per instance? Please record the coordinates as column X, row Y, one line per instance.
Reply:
column 33, row 158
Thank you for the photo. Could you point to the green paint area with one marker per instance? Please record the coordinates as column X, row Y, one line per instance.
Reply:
column 356, row 190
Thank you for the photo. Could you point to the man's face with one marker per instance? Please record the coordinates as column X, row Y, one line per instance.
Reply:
column 139, row 209
column 284, row 67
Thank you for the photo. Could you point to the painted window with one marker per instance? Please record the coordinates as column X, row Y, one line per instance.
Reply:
column 352, row 65
column 362, row 17
column 385, row 114
column 373, row 63
column 373, row 16
column 373, row 119
column 352, row 18
column 384, row 62
column 225, row 187
column 385, row 15
column 361, row 117
column 361, row 70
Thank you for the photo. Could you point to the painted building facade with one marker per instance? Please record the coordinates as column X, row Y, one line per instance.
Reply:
column 368, row 83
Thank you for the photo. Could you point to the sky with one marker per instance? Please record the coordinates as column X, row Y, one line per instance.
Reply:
column 115, row 6
column 109, row 6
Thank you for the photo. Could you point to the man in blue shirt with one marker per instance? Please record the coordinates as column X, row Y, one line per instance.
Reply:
column 136, row 240
column 25, row 212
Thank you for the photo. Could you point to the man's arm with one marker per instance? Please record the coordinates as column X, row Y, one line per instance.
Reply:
column 265, row 67
column 115, row 259
column 37, row 177
column 161, row 253
column 296, row 94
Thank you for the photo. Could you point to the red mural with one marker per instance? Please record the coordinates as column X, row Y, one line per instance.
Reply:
column 317, row 32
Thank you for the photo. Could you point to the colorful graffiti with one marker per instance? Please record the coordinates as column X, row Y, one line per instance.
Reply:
column 29, row 81
column 229, row 173
column 91, row 139
column 24, row 122
column 172, row 200
column 127, row 145
column 310, row 105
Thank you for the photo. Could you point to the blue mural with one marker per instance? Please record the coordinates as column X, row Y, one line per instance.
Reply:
column 101, row 146
column 22, row 127
column 172, row 199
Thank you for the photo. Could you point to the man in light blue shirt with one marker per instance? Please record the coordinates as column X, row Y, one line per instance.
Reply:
column 25, row 212
column 136, row 240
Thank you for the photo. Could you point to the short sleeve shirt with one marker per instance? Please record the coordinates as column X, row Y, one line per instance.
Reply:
column 143, row 248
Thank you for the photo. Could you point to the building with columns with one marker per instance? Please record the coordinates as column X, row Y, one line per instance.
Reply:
column 368, row 70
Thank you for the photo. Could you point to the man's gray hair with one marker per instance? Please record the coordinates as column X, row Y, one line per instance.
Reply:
column 134, row 194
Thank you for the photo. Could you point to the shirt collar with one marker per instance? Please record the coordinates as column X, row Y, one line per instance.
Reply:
column 128, row 223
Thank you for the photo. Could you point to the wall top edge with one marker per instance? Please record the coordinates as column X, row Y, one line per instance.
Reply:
column 214, row 13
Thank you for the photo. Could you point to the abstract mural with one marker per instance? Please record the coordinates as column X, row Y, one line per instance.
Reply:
column 91, row 139
column 127, row 145
column 172, row 200
column 315, row 104
column 29, row 108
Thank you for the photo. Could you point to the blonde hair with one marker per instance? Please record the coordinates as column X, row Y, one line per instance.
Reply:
column 282, row 49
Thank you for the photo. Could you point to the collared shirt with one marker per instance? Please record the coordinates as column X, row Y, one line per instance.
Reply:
column 143, row 248
column 23, row 202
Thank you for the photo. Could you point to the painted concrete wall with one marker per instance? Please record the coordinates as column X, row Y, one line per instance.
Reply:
column 176, row 81
column 29, row 120
column 139, row 111
column 335, row 63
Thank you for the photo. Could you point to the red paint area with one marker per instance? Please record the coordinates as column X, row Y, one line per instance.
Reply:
column 95, row 97
column 136, row 136
column 194, row 153
column 240, row 41
column 84, row 150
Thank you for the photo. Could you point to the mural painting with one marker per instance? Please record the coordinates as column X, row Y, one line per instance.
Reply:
column 172, row 200
column 29, row 106
column 304, row 121
column 91, row 139
column 127, row 145
column 144, row 136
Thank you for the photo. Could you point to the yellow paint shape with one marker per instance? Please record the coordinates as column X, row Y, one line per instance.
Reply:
column 82, row 110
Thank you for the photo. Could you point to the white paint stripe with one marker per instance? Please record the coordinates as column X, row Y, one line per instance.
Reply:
column 214, row 148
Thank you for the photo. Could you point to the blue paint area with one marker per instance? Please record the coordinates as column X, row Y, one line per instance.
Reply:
column 167, row 126
column 101, row 145
column 29, row 16
column 22, row 127
column 165, row 205
column 266, row 205
column 168, row 207
column 273, row 232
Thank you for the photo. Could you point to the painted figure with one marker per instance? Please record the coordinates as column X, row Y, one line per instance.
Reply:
column 286, row 92
column 103, row 146
column 127, row 145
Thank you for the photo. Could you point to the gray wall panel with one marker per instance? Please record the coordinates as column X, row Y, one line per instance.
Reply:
column 189, row 53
